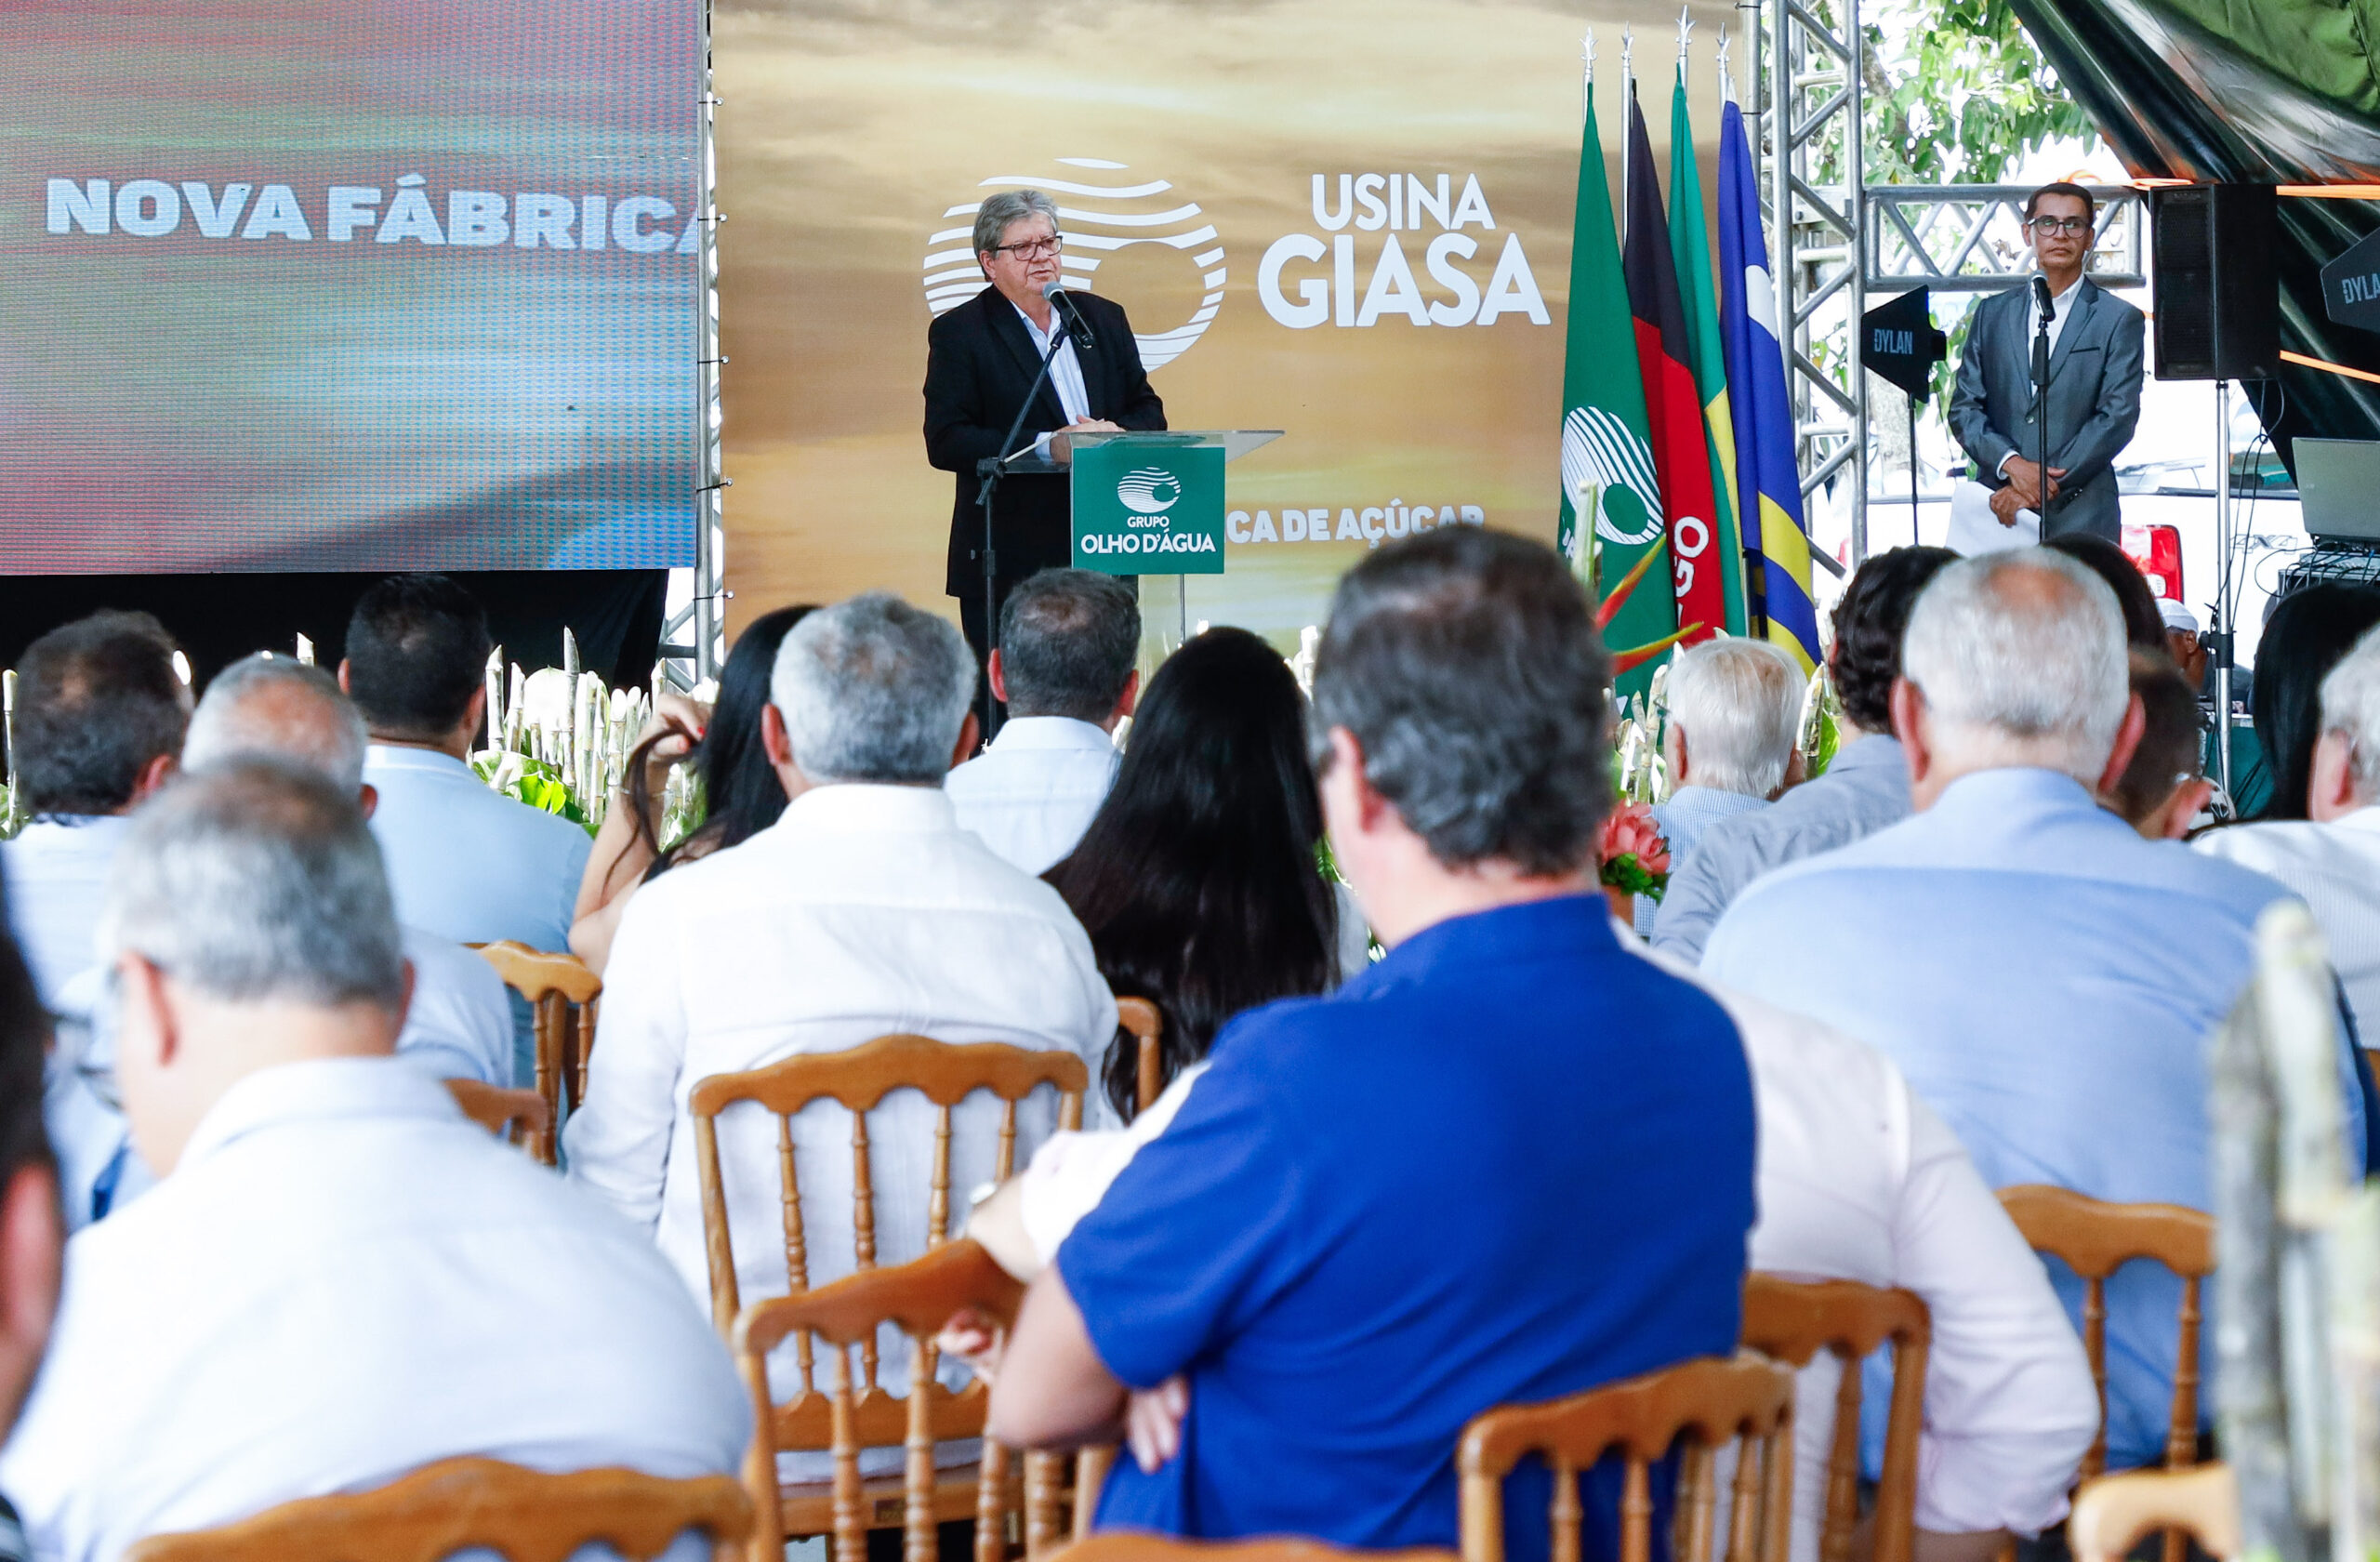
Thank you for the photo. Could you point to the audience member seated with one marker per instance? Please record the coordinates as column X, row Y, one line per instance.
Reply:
column 1068, row 639
column 465, row 861
column 1863, row 790
column 1734, row 708
column 340, row 1277
column 30, row 1231
column 2023, row 955
column 864, row 911
column 1197, row 881
column 2144, row 621
column 458, row 1021
column 740, row 790
column 2331, row 859
column 99, row 718
column 1508, row 1163
column 2164, row 787
column 2305, row 634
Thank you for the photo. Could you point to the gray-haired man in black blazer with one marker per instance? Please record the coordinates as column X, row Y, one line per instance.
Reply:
column 2093, row 380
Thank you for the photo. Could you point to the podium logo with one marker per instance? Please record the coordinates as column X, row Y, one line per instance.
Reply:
column 1149, row 491
column 1101, row 211
column 1606, row 468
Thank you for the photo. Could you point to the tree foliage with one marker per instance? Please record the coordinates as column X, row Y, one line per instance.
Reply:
column 1958, row 92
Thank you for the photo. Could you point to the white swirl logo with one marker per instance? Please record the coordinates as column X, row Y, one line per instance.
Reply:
column 1149, row 491
column 1601, row 453
column 1098, row 220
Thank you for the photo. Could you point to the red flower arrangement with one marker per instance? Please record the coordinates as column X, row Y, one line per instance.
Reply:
column 1633, row 855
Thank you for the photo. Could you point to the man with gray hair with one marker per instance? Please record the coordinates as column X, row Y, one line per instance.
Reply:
column 2029, row 961
column 1734, row 707
column 361, row 1281
column 864, row 911
column 2331, row 859
column 1068, row 639
column 983, row 357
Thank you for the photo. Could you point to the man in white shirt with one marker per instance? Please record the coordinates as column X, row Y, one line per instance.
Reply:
column 465, row 862
column 340, row 1278
column 2331, row 859
column 865, row 911
column 1068, row 639
column 100, row 713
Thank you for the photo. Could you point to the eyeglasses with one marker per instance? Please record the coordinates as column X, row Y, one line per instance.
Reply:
column 2045, row 226
column 1032, row 249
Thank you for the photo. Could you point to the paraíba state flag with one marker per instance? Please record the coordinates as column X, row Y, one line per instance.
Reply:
column 1611, row 494
column 1673, row 406
column 1768, row 485
column 1690, row 249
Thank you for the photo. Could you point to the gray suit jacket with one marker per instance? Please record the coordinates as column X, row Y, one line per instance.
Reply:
column 2094, row 399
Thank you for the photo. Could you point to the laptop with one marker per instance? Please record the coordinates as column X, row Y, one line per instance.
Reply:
column 2338, row 483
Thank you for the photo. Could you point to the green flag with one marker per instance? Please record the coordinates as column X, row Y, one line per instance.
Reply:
column 1691, row 249
column 1608, row 475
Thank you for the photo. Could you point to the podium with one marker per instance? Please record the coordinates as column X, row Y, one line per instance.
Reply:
column 1149, row 502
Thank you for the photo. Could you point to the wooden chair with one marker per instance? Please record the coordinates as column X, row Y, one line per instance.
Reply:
column 859, row 1079
column 1711, row 1400
column 460, row 1504
column 521, row 1115
column 564, row 995
column 1140, row 1017
column 919, row 1299
column 2112, row 1513
column 2097, row 1238
column 1791, row 1321
column 1140, row 1546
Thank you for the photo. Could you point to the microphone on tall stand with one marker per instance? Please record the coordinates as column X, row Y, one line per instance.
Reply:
column 1077, row 326
column 2042, row 300
column 2048, row 305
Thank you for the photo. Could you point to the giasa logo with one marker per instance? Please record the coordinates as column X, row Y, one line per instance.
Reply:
column 1149, row 491
column 1098, row 219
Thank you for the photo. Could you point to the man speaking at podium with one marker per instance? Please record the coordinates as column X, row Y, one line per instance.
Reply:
column 982, row 359
column 2093, row 379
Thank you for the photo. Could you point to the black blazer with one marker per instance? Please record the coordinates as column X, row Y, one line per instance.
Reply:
column 980, row 362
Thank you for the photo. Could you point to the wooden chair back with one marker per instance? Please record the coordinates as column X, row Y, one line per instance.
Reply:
column 462, row 1504
column 917, row 1298
column 1713, row 1400
column 522, row 1116
column 2095, row 1238
column 1791, row 1321
column 564, row 995
column 1132, row 1545
column 2112, row 1513
column 1140, row 1019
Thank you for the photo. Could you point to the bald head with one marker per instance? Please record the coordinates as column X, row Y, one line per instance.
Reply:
column 283, row 709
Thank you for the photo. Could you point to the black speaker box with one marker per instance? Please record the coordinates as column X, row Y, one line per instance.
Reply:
column 2217, row 293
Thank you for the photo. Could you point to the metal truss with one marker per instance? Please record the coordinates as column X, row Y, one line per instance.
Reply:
column 692, row 646
column 1969, row 238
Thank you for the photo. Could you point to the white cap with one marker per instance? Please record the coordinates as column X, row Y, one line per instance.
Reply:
column 2178, row 615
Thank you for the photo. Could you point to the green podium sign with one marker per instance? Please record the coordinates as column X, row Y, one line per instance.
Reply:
column 1149, row 504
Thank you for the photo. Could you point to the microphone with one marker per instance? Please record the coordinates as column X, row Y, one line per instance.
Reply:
column 2042, row 299
column 1077, row 326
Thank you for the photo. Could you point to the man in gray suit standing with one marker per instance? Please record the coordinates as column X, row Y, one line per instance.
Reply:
column 2093, row 380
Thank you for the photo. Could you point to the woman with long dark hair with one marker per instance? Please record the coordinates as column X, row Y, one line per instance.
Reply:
column 1198, row 879
column 2305, row 633
column 741, row 794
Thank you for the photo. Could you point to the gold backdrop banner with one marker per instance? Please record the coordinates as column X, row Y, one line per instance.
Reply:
column 1349, row 219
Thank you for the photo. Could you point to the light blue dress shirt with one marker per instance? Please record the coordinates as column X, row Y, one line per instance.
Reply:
column 57, row 881
column 1687, row 812
column 1863, row 790
column 467, row 863
column 2048, row 981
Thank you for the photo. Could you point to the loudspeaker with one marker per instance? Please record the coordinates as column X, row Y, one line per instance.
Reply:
column 2217, row 292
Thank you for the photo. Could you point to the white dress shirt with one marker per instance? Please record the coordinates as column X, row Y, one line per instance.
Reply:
column 1065, row 371
column 467, row 862
column 864, row 911
column 1858, row 1181
column 345, row 1279
column 58, row 879
column 2334, row 868
column 1033, row 792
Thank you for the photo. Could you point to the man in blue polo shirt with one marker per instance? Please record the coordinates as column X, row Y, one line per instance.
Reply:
column 1509, row 1162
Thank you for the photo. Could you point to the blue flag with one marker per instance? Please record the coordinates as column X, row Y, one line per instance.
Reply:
column 1768, row 484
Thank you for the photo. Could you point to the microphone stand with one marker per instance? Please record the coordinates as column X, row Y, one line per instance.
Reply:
column 2041, row 381
column 988, row 472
